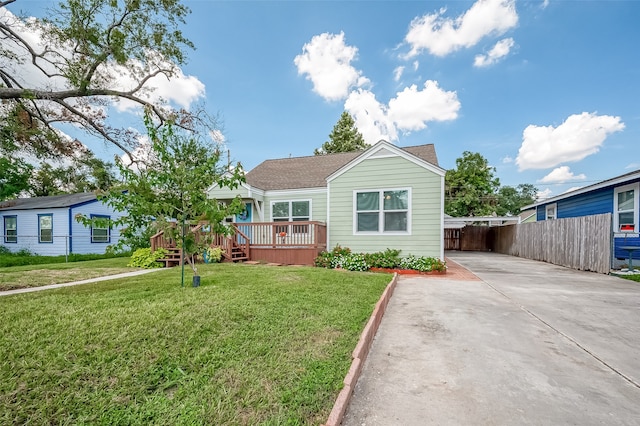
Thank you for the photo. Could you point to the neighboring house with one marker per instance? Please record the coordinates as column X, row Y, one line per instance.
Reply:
column 47, row 225
column 619, row 196
column 384, row 197
column 528, row 216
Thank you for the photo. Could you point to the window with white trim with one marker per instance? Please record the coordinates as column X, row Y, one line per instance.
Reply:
column 11, row 229
column 625, row 208
column 45, row 228
column 100, row 229
column 382, row 211
column 551, row 212
column 291, row 211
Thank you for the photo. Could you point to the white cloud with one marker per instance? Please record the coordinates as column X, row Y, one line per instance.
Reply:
column 545, row 3
column 507, row 160
column 543, row 195
column 578, row 137
column 397, row 73
column 633, row 166
column 416, row 64
column 499, row 51
column 412, row 108
column 561, row 175
column 370, row 116
column 326, row 61
column 441, row 36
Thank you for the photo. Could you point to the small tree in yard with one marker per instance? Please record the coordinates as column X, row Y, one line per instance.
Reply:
column 169, row 189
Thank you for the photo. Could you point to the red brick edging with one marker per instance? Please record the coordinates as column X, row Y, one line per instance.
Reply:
column 359, row 354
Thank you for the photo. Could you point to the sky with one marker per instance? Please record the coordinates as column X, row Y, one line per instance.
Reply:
column 548, row 91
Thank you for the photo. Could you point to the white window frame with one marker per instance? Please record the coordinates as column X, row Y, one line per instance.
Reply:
column 381, row 212
column 548, row 207
column 94, row 240
column 635, row 187
column 13, row 238
column 291, row 229
column 40, row 228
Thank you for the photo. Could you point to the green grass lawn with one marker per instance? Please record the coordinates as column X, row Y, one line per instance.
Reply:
column 14, row 277
column 253, row 345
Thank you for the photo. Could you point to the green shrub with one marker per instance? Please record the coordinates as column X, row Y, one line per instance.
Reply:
column 144, row 258
column 350, row 262
column 423, row 264
column 383, row 259
column 328, row 259
column 214, row 254
column 342, row 257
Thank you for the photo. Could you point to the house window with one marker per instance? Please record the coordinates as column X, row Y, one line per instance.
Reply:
column 382, row 211
column 100, row 229
column 45, row 228
column 10, row 229
column 291, row 211
column 551, row 212
column 626, row 208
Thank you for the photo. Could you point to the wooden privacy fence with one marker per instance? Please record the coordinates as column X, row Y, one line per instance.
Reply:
column 582, row 243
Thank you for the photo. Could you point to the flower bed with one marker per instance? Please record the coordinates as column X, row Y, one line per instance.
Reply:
column 406, row 271
column 387, row 261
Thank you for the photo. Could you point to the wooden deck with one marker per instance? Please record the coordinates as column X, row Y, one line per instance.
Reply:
column 288, row 243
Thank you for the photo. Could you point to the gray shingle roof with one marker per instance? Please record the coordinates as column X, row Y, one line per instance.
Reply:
column 54, row 201
column 312, row 171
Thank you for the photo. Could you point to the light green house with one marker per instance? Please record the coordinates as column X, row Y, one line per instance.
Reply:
column 384, row 197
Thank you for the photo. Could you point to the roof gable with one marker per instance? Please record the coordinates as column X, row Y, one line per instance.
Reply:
column 313, row 171
column 419, row 155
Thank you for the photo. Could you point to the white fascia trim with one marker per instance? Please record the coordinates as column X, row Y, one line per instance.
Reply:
column 328, row 223
column 604, row 184
column 226, row 174
column 288, row 192
column 442, row 218
column 386, row 145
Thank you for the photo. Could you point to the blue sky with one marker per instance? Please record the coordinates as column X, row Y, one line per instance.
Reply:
column 547, row 91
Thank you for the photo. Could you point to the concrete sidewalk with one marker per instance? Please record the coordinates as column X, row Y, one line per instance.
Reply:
column 87, row 281
column 526, row 343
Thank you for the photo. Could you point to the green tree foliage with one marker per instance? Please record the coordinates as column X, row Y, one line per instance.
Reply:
column 472, row 189
column 14, row 177
column 169, row 189
column 89, row 45
column 511, row 200
column 344, row 137
column 85, row 173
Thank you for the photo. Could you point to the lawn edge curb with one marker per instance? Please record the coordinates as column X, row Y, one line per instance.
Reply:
column 359, row 354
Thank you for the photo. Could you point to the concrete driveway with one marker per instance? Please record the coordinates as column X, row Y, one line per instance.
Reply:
column 526, row 343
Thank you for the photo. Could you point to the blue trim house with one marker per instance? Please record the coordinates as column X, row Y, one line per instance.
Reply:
column 47, row 225
column 619, row 196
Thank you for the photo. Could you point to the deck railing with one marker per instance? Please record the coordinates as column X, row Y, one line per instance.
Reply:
column 301, row 234
column 282, row 242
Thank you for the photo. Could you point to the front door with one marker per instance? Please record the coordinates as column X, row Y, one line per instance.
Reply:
column 245, row 217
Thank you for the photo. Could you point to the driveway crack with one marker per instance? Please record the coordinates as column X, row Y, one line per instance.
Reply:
column 569, row 338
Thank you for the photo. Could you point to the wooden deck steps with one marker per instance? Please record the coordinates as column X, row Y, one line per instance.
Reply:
column 173, row 258
column 237, row 255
